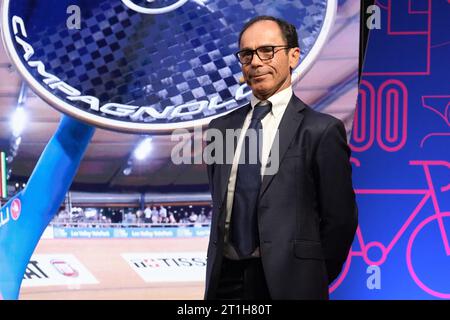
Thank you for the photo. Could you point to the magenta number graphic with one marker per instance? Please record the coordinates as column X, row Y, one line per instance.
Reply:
column 382, row 114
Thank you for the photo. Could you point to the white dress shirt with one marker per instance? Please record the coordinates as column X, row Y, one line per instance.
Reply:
column 270, row 125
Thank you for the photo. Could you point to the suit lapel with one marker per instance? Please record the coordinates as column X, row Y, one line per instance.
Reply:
column 234, row 122
column 292, row 118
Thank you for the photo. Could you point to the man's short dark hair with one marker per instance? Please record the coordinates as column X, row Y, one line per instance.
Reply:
column 288, row 30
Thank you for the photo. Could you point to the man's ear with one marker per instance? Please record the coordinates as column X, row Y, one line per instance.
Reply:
column 294, row 57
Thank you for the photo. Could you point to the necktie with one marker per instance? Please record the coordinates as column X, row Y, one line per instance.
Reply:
column 244, row 223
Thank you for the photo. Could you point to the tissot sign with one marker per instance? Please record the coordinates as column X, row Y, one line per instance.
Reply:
column 142, row 66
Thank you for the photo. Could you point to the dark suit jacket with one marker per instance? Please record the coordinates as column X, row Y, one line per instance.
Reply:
column 307, row 215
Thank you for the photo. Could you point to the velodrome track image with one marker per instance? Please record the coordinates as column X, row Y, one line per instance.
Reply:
column 116, row 278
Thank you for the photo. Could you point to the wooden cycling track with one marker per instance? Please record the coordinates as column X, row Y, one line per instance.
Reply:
column 117, row 280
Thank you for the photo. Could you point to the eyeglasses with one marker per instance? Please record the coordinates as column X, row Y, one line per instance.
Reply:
column 264, row 53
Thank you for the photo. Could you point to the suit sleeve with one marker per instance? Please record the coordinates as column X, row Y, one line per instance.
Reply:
column 337, row 205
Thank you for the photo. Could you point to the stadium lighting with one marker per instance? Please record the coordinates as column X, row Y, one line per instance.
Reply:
column 143, row 149
column 18, row 121
column 127, row 171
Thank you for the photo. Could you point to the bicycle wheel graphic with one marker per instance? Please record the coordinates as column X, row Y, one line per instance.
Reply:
column 426, row 257
column 338, row 281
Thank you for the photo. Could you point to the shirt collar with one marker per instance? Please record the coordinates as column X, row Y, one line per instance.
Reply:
column 279, row 101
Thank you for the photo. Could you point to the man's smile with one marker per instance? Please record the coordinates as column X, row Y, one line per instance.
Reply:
column 259, row 76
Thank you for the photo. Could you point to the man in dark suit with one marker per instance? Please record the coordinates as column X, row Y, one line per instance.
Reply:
column 284, row 234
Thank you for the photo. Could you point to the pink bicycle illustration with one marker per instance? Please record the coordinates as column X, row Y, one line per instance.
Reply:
column 429, row 194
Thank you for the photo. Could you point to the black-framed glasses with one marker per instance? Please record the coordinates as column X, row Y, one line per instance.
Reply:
column 264, row 53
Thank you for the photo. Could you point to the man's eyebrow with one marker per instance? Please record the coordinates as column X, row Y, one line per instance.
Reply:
column 263, row 45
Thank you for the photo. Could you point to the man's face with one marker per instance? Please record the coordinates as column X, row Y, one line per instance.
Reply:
column 270, row 76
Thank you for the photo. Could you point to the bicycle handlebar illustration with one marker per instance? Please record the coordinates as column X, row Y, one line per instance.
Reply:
column 429, row 194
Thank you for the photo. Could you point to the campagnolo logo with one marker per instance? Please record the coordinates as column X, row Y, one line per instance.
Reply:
column 114, row 109
column 174, row 90
column 126, row 111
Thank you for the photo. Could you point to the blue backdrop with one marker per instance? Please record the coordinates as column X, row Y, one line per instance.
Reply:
column 401, row 158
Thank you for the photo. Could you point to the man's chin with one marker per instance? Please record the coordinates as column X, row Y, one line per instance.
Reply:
column 261, row 86
column 262, row 95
